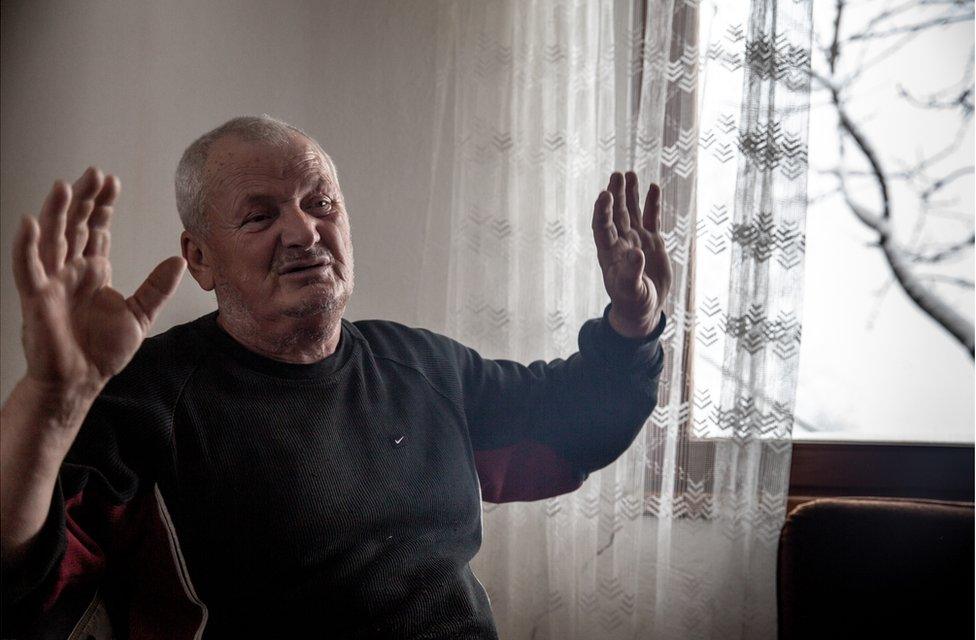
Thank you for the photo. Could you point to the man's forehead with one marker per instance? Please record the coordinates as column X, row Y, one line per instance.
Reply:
column 234, row 159
column 260, row 193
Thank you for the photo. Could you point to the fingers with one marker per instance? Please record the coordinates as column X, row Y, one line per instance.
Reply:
column 99, row 238
column 617, row 216
column 28, row 269
column 633, row 192
column 604, row 231
column 64, row 219
column 52, row 244
column 146, row 302
column 652, row 209
column 620, row 216
column 83, row 194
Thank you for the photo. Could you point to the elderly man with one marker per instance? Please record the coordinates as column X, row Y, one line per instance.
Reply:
column 271, row 469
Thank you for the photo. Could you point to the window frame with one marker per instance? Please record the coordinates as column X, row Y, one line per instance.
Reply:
column 934, row 471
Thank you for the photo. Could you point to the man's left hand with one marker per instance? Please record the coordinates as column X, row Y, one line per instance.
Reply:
column 636, row 270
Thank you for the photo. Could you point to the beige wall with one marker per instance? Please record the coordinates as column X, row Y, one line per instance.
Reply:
column 128, row 85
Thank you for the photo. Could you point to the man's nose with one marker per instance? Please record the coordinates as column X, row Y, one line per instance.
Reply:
column 298, row 228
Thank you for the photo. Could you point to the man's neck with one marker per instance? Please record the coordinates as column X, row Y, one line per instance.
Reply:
column 292, row 340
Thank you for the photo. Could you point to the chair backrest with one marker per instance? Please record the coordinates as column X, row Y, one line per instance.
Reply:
column 876, row 568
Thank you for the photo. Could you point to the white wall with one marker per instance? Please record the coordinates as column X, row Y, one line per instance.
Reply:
column 128, row 85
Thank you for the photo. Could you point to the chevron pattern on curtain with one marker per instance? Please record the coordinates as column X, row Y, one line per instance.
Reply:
column 537, row 103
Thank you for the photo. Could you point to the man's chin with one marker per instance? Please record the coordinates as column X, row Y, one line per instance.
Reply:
column 319, row 303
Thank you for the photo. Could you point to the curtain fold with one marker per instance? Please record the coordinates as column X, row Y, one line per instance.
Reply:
column 536, row 104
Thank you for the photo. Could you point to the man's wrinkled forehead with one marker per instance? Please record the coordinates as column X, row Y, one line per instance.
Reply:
column 233, row 162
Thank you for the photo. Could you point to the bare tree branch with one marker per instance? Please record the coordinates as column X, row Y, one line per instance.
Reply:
column 951, row 214
column 963, row 101
column 945, row 253
column 899, row 259
column 864, row 64
column 913, row 171
column 872, row 157
column 835, row 43
column 912, row 28
column 960, row 94
column 929, row 302
column 940, row 155
column 942, row 183
column 879, row 297
column 962, row 282
column 908, row 6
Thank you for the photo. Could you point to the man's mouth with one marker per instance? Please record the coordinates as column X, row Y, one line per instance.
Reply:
column 302, row 266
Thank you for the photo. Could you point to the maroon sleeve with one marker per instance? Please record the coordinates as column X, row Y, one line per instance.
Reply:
column 93, row 517
column 65, row 565
column 539, row 430
column 105, row 510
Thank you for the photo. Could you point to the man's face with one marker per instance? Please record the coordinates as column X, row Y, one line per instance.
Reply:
column 277, row 233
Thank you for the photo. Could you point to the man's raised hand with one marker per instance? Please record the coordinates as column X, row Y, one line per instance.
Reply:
column 77, row 330
column 636, row 270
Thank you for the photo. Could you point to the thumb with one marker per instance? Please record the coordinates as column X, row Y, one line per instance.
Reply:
column 148, row 299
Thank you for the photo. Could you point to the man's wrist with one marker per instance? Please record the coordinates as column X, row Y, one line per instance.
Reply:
column 58, row 398
column 631, row 329
column 55, row 411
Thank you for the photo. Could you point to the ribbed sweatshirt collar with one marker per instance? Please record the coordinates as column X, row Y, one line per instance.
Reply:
column 324, row 368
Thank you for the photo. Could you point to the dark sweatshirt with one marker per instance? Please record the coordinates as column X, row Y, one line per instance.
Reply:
column 212, row 488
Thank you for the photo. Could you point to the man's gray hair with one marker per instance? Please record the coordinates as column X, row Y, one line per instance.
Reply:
column 191, row 184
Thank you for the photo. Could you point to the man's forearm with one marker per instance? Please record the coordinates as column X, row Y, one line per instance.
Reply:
column 37, row 427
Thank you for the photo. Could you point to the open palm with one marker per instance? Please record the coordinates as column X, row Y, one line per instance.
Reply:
column 78, row 331
column 637, row 272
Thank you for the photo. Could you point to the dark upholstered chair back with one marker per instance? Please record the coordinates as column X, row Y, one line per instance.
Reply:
column 876, row 568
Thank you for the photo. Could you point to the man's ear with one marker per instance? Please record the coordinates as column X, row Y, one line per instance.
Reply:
column 197, row 260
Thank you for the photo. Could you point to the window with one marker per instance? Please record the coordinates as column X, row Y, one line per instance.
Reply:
column 873, row 366
column 875, row 369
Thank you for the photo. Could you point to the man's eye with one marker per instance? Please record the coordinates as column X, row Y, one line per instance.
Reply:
column 257, row 217
column 322, row 203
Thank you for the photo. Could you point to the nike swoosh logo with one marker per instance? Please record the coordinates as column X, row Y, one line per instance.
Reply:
column 399, row 440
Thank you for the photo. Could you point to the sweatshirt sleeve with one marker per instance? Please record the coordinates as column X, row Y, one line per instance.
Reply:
column 98, row 488
column 539, row 430
column 104, row 504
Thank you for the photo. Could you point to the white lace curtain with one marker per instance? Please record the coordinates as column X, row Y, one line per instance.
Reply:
column 537, row 102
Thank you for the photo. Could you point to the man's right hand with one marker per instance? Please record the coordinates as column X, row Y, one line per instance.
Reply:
column 78, row 331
